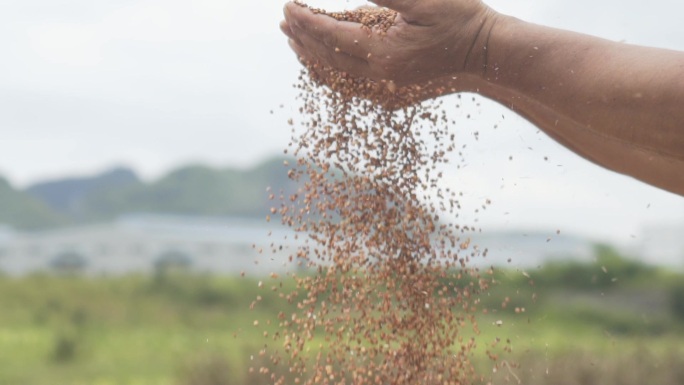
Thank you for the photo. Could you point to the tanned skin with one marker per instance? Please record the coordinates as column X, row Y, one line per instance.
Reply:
column 618, row 105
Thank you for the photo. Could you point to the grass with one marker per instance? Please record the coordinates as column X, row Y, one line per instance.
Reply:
column 122, row 330
column 186, row 329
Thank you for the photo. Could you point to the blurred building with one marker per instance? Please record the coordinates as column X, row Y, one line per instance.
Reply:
column 143, row 244
column 663, row 245
column 529, row 249
column 148, row 244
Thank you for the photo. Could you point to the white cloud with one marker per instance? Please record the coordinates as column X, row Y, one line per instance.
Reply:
column 66, row 44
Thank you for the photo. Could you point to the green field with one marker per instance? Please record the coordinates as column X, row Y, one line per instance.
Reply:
column 611, row 322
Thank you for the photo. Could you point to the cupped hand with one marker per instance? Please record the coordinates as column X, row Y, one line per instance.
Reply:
column 430, row 40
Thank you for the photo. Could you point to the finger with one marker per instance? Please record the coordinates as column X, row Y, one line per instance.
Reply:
column 301, row 53
column 340, row 62
column 343, row 35
column 285, row 28
column 322, row 48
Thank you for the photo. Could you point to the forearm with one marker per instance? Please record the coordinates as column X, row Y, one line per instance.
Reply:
column 661, row 171
column 617, row 105
column 620, row 106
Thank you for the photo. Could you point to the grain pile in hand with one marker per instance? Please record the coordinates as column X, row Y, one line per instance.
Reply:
column 386, row 294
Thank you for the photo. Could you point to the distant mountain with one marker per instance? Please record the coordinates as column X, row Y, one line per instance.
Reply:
column 197, row 190
column 189, row 190
column 68, row 196
column 24, row 211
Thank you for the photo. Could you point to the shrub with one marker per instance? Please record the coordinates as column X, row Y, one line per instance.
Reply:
column 65, row 348
column 676, row 298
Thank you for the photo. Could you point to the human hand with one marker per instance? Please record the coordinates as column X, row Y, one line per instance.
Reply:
column 431, row 40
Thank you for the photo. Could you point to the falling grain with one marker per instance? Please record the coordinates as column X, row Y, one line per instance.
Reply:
column 387, row 285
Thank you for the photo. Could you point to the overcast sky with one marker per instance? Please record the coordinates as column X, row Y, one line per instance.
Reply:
column 153, row 84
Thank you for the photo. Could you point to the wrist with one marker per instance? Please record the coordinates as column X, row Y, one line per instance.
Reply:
column 477, row 62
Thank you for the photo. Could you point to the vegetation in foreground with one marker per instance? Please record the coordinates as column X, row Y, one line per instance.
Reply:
column 614, row 321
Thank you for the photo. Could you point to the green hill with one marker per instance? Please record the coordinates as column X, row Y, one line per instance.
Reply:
column 67, row 195
column 197, row 190
column 189, row 190
column 20, row 210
